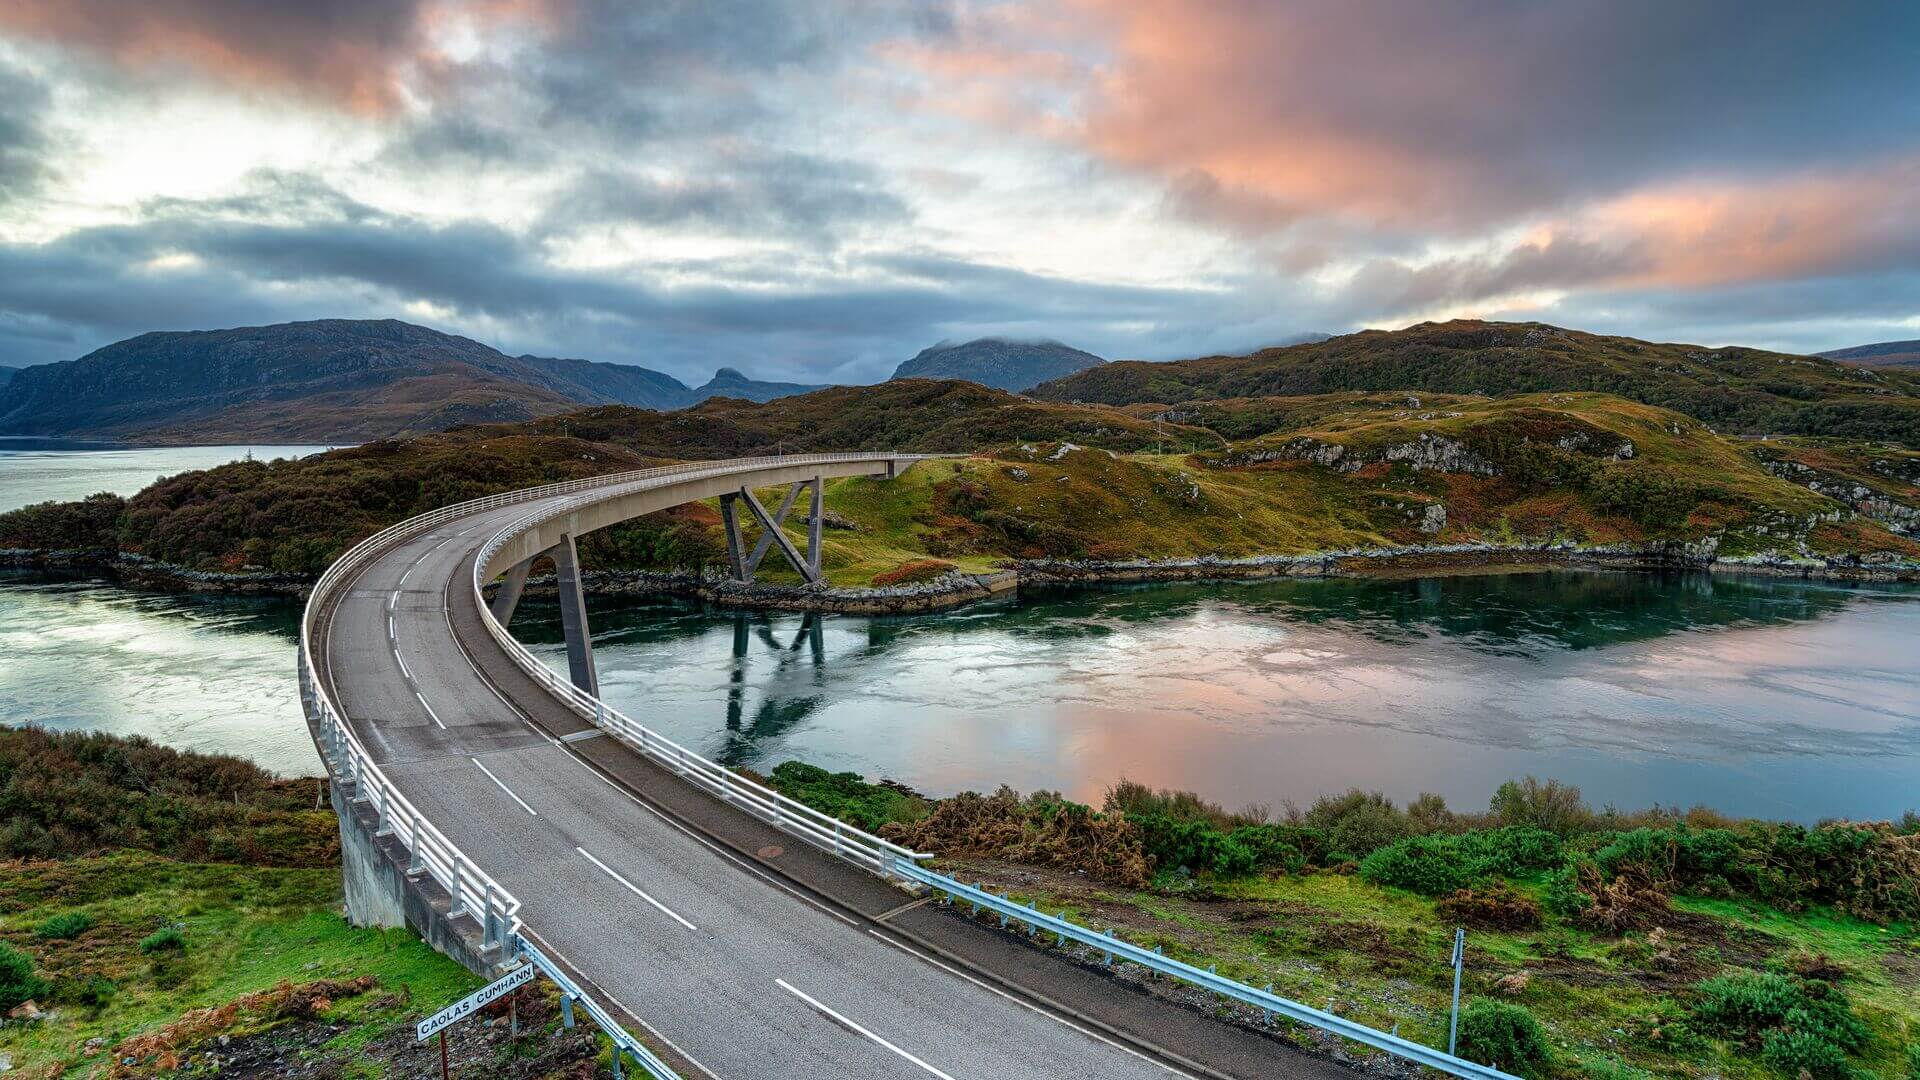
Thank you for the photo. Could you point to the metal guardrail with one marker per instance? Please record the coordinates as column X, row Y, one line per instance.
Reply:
column 622, row 1039
column 1273, row 1004
column 819, row 829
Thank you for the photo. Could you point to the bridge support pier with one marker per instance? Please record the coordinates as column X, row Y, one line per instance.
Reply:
column 808, row 565
column 573, row 616
column 508, row 597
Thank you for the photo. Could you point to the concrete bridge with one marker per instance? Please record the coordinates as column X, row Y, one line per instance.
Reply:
column 486, row 801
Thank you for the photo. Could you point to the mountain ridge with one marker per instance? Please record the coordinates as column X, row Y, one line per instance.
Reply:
column 319, row 380
column 1884, row 354
column 1001, row 363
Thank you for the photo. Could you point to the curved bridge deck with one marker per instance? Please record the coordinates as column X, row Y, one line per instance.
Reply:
column 675, row 910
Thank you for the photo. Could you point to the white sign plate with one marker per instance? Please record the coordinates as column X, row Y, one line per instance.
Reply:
column 470, row 1004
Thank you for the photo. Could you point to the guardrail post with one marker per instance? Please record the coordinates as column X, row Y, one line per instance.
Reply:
column 415, row 863
column 618, row 1053
column 566, row 1010
column 454, row 908
column 486, row 918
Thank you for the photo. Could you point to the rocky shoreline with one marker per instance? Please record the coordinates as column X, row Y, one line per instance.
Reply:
column 955, row 588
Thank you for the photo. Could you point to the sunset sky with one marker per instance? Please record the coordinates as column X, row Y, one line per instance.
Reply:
column 817, row 190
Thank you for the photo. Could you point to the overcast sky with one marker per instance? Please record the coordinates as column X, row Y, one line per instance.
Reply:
column 816, row 190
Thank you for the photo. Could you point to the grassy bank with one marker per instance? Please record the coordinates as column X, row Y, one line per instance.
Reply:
column 179, row 914
column 1658, row 943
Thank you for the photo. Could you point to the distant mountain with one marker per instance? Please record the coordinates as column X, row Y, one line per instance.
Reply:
column 1740, row 390
column 1894, row 354
column 732, row 383
column 998, row 362
column 332, row 380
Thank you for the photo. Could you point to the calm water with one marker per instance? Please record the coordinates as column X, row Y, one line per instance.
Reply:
column 36, row 470
column 1751, row 695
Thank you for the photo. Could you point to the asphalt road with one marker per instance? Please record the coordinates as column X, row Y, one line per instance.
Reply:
column 736, row 971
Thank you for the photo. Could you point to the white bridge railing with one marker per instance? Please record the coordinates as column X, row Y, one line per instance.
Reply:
column 819, row 829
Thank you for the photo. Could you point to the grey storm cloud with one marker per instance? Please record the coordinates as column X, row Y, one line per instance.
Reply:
column 23, row 144
column 351, row 260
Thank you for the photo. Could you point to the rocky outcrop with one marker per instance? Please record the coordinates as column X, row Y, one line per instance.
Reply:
column 1436, row 452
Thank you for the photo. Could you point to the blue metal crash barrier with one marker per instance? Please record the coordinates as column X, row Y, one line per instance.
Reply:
column 624, row 1044
column 1118, row 949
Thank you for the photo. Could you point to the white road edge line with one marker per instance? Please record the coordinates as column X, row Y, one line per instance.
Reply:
column 430, row 713
column 1055, row 1017
column 856, row 1028
column 504, row 787
column 581, row 976
column 402, row 661
column 636, row 890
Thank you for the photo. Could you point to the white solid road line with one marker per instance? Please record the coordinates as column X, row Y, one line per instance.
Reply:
column 635, row 889
column 504, row 787
column 856, row 1028
column 390, row 634
column 435, row 716
column 403, row 664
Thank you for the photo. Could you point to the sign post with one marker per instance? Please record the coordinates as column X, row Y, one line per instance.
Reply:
column 439, row 1022
column 1459, row 961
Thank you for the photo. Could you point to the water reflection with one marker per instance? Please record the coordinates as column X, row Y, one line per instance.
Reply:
column 1759, row 696
column 198, row 672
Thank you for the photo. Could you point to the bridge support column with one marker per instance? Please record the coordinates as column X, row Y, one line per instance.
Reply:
column 816, row 516
column 508, row 597
column 573, row 616
column 736, row 548
column 807, row 565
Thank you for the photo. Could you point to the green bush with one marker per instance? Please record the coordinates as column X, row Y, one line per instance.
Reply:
column 845, row 795
column 1913, row 1062
column 1193, row 846
column 1504, row 1035
column 1798, row 1024
column 1609, row 1069
column 1288, row 848
column 165, row 938
column 17, row 980
column 1437, row 864
column 1358, row 823
column 67, row 924
column 1797, row 1053
column 1428, row 865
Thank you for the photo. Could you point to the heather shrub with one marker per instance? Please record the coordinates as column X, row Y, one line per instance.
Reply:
column 913, row 572
column 67, row 924
column 1913, row 1062
column 1504, row 1035
column 17, row 980
column 1795, row 1024
column 165, row 939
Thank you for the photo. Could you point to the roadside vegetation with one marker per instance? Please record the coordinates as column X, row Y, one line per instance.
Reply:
column 179, row 914
column 1601, row 943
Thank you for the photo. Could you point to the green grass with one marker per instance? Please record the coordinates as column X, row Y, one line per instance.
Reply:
column 246, row 929
column 1380, row 956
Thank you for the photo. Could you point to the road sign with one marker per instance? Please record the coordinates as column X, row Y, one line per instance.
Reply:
column 473, row 1002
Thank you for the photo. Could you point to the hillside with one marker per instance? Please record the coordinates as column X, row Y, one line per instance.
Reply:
column 998, row 362
column 1736, row 390
column 1893, row 354
column 331, row 380
column 1056, row 482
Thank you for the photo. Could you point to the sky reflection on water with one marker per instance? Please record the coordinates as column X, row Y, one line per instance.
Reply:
column 1751, row 695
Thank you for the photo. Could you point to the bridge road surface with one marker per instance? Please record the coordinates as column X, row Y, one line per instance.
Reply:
column 740, row 976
